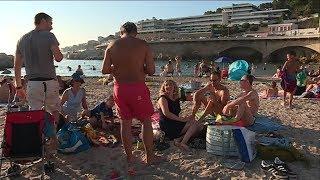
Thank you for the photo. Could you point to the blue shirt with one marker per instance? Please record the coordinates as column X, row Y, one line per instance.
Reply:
column 101, row 108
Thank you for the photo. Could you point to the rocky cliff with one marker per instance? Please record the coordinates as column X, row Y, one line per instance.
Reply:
column 6, row 61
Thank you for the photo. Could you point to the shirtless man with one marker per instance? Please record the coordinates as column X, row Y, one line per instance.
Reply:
column 219, row 96
column 246, row 106
column 204, row 68
column 129, row 59
column 288, row 78
column 178, row 65
column 169, row 68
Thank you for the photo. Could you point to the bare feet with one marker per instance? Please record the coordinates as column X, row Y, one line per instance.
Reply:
column 181, row 146
column 176, row 142
column 154, row 160
column 184, row 147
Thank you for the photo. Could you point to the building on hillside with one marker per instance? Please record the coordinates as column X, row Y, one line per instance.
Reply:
column 281, row 29
column 200, row 26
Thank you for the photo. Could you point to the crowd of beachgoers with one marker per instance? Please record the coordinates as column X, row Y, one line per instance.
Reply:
column 218, row 124
column 98, row 108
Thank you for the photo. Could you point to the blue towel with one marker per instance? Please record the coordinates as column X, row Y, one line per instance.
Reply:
column 265, row 125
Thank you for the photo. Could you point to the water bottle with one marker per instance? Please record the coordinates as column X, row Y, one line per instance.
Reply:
column 182, row 94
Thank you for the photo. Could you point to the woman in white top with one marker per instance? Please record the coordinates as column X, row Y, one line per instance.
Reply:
column 73, row 98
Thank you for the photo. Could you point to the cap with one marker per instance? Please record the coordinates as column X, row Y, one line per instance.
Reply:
column 77, row 77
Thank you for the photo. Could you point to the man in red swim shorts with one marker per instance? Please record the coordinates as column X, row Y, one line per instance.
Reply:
column 129, row 59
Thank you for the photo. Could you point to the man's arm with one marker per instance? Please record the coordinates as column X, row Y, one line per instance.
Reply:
column 17, row 69
column 58, row 56
column 284, row 67
column 106, row 65
column 149, row 63
column 242, row 99
column 225, row 97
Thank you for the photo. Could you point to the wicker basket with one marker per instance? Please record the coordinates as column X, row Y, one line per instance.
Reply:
column 220, row 141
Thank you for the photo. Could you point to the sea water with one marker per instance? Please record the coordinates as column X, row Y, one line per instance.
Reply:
column 92, row 68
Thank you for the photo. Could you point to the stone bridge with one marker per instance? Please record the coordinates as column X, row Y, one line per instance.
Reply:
column 214, row 47
column 219, row 46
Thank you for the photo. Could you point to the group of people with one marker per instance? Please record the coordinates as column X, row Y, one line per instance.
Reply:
column 296, row 80
column 216, row 99
column 39, row 48
column 203, row 68
column 169, row 68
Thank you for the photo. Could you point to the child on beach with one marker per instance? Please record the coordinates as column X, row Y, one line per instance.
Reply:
column 100, row 114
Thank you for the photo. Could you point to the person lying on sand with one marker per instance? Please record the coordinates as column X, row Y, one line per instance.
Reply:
column 170, row 122
column 218, row 97
column 246, row 106
column 271, row 91
column 312, row 91
column 101, row 114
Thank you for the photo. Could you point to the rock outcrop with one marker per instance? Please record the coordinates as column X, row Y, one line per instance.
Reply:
column 6, row 61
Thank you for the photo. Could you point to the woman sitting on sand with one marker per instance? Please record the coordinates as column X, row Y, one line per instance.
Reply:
column 73, row 98
column 271, row 92
column 170, row 122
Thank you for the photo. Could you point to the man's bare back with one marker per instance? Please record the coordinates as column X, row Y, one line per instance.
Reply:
column 131, row 59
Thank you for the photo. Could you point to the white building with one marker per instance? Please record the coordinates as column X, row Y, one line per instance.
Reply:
column 230, row 15
column 281, row 29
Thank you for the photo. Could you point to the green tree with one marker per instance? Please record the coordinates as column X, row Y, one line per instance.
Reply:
column 208, row 12
column 265, row 6
column 254, row 27
column 219, row 10
column 245, row 26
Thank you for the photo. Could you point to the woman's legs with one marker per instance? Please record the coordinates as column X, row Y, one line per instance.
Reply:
column 191, row 131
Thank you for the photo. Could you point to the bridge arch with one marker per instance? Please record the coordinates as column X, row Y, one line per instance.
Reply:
column 279, row 55
column 243, row 52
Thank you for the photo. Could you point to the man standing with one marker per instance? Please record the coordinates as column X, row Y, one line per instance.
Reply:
column 38, row 49
column 288, row 77
column 129, row 59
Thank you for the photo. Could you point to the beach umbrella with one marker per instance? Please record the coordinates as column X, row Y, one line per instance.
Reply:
column 238, row 69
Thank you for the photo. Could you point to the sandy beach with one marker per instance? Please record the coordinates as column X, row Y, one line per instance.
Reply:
column 302, row 125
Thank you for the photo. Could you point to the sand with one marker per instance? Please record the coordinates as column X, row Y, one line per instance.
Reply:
column 302, row 122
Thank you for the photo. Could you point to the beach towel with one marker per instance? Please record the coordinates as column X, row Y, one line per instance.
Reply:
column 287, row 154
column 265, row 125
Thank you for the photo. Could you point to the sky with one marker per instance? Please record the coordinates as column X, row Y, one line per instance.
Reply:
column 76, row 22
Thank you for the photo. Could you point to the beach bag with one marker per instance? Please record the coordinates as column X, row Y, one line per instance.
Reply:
column 226, row 140
column 71, row 139
column 246, row 143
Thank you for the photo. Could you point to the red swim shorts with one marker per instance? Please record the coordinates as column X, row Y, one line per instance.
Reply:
column 133, row 100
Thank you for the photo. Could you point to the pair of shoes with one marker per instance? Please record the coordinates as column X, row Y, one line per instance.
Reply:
column 283, row 167
column 269, row 167
column 278, row 169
